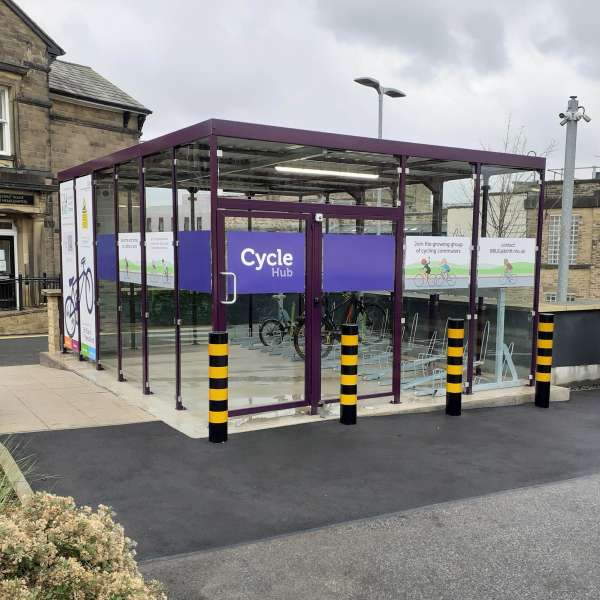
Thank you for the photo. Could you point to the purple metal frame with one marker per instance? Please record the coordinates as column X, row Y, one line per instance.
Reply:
column 472, row 314
column 96, row 280
column 80, row 356
column 538, row 271
column 144, row 292
column 211, row 130
column 310, row 398
column 118, row 277
column 268, row 133
column 175, row 228
column 62, row 291
column 398, row 306
column 244, row 207
column 217, row 243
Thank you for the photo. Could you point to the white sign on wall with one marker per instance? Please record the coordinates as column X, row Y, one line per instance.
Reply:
column 433, row 262
column 68, row 248
column 85, row 248
column 506, row 262
column 130, row 258
column 160, row 259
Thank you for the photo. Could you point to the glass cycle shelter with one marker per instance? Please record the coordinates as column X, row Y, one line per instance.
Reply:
column 279, row 236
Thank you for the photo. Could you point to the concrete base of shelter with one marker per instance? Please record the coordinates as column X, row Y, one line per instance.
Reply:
column 193, row 422
column 574, row 374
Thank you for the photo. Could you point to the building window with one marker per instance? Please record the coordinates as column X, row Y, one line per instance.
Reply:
column 186, row 223
column 554, row 239
column 198, row 223
column 148, row 224
column 161, row 224
column 552, row 297
column 4, row 122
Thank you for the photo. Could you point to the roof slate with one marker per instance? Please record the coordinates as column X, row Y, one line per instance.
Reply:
column 80, row 81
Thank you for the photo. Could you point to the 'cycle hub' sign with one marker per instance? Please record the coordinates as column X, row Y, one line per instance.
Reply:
column 267, row 261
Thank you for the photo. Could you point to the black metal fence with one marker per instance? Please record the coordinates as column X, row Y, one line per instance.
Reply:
column 25, row 292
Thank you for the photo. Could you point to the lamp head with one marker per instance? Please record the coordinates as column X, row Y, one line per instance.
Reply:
column 369, row 82
column 394, row 93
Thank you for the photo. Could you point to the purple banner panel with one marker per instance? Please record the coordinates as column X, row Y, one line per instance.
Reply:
column 106, row 257
column 194, row 261
column 266, row 262
column 357, row 262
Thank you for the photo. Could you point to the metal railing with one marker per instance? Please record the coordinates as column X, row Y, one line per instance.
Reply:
column 18, row 293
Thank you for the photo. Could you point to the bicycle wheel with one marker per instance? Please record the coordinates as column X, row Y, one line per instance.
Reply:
column 420, row 280
column 327, row 340
column 70, row 317
column 375, row 322
column 271, row 332
column 88, row 288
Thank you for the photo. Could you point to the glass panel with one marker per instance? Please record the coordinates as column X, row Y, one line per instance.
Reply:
column 439, row 211
column 265, row 320
column 358, row 281
column 195, row 297
column 130, row 269
column 106, row 249
column 505, row 276
column 160, row 265
column 292, row 172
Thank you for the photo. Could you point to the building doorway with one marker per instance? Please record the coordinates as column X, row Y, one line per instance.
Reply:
column 8, row 287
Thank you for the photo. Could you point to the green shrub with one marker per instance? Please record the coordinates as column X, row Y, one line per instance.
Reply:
column 50, row 549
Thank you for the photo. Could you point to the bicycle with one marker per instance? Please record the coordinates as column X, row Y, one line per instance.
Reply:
column 422, row 280
column 85, row 285
column 273, row 330
column 373, row 324
column 509, row 277
column 445, row 280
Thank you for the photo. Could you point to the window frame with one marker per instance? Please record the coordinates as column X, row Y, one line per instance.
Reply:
column 553, row 253
column 5, row 130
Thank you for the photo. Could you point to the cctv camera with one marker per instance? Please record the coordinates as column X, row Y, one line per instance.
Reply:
column 564, row 121
column 562, row 115
column 586, row 118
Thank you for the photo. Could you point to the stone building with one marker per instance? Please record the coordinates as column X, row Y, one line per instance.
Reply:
column 53, row 114
column 584, row 270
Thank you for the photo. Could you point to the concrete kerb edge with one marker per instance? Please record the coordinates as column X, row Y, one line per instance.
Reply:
column 488, row 399
column 15, row 476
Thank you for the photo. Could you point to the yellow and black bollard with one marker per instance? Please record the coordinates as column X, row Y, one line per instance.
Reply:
column 543, row 368
column 218, row 360
column 349, row 374
column 454, row 373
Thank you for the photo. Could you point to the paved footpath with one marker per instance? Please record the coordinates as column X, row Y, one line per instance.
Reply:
column 538, row 543
column 176, row 495
column 36, row 398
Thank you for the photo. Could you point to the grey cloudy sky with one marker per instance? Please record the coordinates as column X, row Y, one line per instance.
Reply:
column 465, row 65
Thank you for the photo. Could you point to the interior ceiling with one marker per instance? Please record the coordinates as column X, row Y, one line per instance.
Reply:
column 248, row 167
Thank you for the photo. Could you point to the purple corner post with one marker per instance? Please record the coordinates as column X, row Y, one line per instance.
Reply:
column 144, row 302
column 473, row 279
column 538, row 272
column 175, row 227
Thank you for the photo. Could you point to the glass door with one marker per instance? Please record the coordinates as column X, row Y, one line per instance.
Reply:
column 266, row 284
column 358, row 274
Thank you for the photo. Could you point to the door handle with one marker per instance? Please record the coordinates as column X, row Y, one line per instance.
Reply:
column 234, row 295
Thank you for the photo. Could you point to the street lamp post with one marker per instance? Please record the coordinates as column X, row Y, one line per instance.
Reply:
column 573, row 115
column 381, row 91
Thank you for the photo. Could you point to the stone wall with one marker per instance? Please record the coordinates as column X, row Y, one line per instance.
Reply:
column 24, row 322
column 584, row 275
